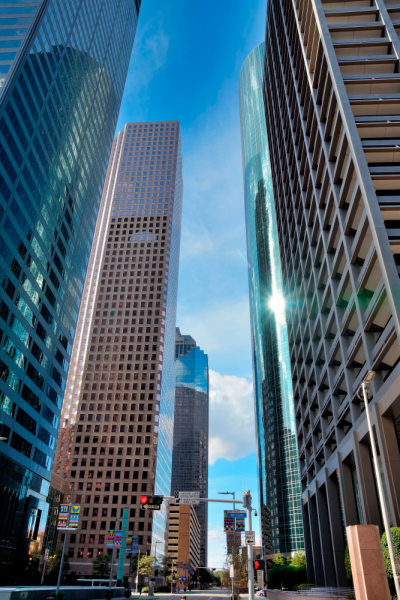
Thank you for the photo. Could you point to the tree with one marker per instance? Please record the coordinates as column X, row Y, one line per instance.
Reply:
column 240, row 580
column 286, row 576
column 166, row 565
column 299, row 559
column 279, row 561
column 146, row 565
column 54, row 561
column 395, row 531
column 101, row 565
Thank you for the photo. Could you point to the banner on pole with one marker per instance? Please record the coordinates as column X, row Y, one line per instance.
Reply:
column 110, row 537
column 240, row 525
column 63, row 516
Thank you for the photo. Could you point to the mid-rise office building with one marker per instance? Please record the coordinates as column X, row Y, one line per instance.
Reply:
column 59, row 102
column 278, row 467
column 115, row 439
column 184, row 533
column 332, row 111
column 190, row 455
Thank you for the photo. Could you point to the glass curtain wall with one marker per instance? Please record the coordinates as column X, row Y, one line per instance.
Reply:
column 278, row 470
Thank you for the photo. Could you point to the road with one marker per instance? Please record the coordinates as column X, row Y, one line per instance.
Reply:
column 212, row 594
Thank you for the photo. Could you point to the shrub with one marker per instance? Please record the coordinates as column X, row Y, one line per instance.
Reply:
column 145, row 588
column 347, row 563
column 286, row 576
column 395, row 531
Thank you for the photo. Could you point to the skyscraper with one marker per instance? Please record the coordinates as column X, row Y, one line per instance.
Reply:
column 115, row 439
column 278, row 469
column 58, row 109
column 332, row 111
column 190, row 455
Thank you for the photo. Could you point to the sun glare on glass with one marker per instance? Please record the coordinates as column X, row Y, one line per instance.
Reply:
column 277, row 303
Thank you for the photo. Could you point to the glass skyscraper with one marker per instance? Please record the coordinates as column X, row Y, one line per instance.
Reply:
column 190, row 453
column 279, row 478
column 61, row 90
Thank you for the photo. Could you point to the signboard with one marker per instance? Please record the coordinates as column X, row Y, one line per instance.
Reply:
column 235, row 514
column 240, row 525
column 63, row 516
column 250, row 538
column 231, row 571
column 110, row 537
column 260, row 579
column 229, row 524
column 187, row 498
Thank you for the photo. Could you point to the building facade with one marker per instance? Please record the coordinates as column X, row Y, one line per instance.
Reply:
column 278, row 468
column 184, row 540
column 332, row 111
column 191, row 424
column 115, row 439
column 59, row 104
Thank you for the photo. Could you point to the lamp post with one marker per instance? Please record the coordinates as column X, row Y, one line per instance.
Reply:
column 369, row 377
column 229, row 494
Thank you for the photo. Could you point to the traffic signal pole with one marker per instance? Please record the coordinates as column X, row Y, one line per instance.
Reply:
column 250, row 569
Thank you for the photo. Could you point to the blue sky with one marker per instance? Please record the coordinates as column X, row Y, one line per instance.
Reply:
column 185, row 65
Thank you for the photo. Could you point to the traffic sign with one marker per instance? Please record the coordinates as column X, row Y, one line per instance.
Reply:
column 187, row 497
column 249, row 538
column 235, row 514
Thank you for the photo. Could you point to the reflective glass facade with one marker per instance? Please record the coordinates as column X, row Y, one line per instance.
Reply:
column 190, row 455
column 58, row 112
column 115, row 439
column 17, row 18
column 279, row 479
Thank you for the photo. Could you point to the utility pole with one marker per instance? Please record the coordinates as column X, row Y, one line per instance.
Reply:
column 64, row 544
column 381, row 494
column 247, row 505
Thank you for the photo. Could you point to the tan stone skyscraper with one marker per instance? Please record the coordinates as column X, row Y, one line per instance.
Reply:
column 115, row 439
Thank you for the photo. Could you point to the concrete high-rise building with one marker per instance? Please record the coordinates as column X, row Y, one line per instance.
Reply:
column 278, row 467
column 115, row 439
column 332, row 111
column 190, row 455
column 184, row 537
column 66, row 64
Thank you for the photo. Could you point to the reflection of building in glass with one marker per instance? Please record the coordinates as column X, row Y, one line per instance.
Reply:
column 279, row 479
column 332, row 114
column 115, row 439
column 58, row 110
column 190, row 455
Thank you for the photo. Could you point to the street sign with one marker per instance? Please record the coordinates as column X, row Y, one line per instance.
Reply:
column 250, row 538
column 187, row 498
column 235, row 514
column 231, row 571
column 151, row 502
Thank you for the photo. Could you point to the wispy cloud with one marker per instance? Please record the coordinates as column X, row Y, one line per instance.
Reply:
column 232, row 433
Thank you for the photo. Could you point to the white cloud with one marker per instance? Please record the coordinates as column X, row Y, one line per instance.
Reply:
column 232, row 433
column 216, row 547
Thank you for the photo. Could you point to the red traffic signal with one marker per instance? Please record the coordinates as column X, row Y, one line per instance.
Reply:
column 259, row 565
column 151, row 502
column 212, row 569
column 194, row 568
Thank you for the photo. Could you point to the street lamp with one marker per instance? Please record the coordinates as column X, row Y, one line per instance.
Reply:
column 368, row 378
column 3, row 439
column 229, row 494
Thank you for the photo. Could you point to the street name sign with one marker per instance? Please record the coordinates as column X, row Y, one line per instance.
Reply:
column 187, row 497
column 235, row 514
column 250, row 538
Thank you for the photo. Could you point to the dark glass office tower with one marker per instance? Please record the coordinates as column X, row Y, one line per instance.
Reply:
column 279, row 478
column 58, row 111
column 190, row 453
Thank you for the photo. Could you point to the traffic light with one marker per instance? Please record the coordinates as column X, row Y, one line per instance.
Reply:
column 212, row 569
column 151, row 502
column 259, row 565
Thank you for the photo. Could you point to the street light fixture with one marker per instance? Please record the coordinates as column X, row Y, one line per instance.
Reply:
column 3, row 439
column 229, row 494
column 364, row 385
